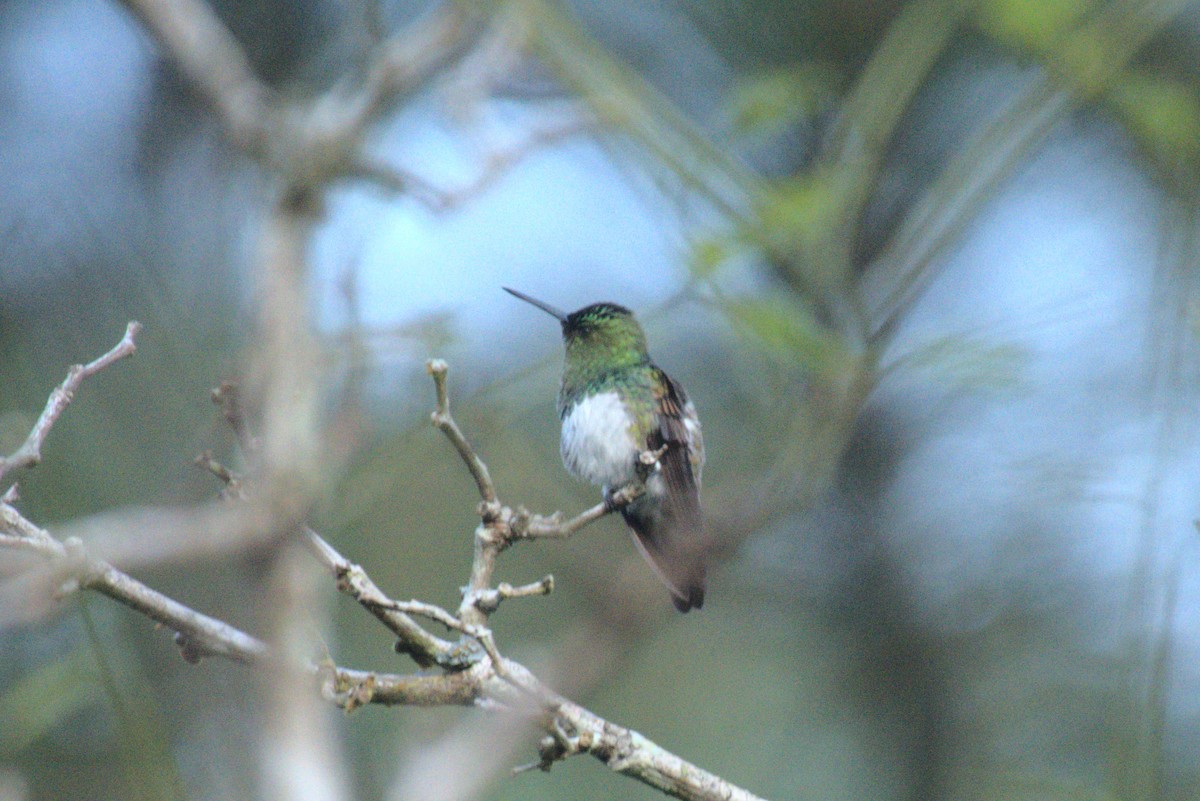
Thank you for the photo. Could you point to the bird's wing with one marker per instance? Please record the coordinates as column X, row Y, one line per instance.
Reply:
column 673, row 541
column 683, row 489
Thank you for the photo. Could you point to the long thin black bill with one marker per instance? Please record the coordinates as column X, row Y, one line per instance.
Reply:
column 546, row 307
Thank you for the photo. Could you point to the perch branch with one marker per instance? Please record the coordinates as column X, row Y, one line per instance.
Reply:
column 530, row 526
column 570, row 728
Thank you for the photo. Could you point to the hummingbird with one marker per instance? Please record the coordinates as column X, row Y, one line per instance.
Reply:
column 616, row 404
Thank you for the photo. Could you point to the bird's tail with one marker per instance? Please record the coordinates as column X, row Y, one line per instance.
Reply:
column 678, row 557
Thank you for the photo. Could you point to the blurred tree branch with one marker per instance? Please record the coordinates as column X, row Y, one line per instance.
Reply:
column 304, row 145
column 974, row 174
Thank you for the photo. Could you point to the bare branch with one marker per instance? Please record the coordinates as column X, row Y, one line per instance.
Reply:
column 287, row 366
column 215, row 64
column 629, row 753
column 228, row 397
column 407, row 59
column 527, row 526
column 489, row 600
column 351, row 689
column 204, row 634
column 199, row 635
column 352, row 580
column 30, row 452
column 481, row 634
column 445, row 423
column 502, row 162
column 233, row 483
column 400, row 181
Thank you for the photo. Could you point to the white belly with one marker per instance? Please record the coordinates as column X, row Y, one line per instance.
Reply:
column 596, row 443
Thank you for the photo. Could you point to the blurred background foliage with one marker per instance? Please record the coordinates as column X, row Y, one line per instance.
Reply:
column 929, row 270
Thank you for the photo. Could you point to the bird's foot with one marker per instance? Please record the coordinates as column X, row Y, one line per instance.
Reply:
column 610, row 500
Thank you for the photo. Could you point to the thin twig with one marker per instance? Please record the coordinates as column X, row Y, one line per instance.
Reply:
column 445, row 422
column 30, row 452
column 399, row 181
column 234, row 488
column 228, row 398
column 498, row 164
column 481, row 634
column 425, row 648
column 489, row 600
column 502, row 162
column 543, row 586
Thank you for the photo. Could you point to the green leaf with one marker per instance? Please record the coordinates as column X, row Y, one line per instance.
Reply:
column 800, row 213
column 145, row 754
column 706, row 256
column 791, row 332
column 766, row 103
column 972, row 364
column 1032, row 25
column 38, row 702
column 1163, row 116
